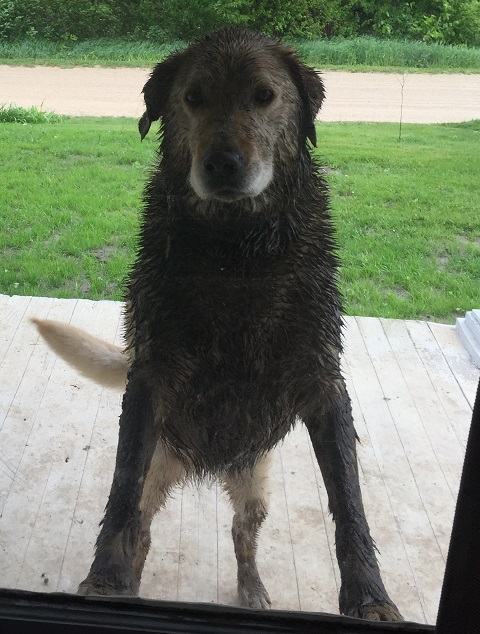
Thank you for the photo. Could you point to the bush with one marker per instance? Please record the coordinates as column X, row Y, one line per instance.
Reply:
column 17, row 19
column 57, row 19
column 303, row 18
column 442, row 21
column 186, row 19
column 167, row 19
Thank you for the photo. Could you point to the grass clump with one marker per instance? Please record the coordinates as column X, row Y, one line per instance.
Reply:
column 17, row 114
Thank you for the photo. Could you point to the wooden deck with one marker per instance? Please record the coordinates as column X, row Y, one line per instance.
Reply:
column 412, row 385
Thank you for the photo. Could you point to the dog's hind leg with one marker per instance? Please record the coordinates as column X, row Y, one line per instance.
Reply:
column 165, row 472
column 362, row 593
column 145, row 471
column 247, row 491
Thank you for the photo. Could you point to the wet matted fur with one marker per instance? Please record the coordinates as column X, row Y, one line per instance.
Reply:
column 233, row 317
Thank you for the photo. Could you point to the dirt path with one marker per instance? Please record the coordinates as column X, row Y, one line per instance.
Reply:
column 350, row 96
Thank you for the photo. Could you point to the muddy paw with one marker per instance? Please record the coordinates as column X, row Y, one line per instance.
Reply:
column 377, row 612
column 254, row 597
column 87, row 588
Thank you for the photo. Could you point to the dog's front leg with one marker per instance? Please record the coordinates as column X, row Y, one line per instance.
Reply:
column 122, row 534
column 362, row 593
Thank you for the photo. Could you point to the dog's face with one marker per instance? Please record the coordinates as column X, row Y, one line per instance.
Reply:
column 233, row 104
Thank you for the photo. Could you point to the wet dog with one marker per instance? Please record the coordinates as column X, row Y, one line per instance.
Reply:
column 233, row 317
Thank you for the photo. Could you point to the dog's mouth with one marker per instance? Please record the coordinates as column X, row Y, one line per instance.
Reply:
column 228, row 195
column 231, row 187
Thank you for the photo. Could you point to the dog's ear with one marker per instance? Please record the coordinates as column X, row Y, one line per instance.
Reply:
column 311, row 90
column 157, row 90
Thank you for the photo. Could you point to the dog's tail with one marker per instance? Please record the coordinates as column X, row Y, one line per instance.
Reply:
column 96, row 359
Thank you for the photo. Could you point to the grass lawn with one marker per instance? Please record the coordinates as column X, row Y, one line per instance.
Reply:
column 407, row 213
column 357, row 54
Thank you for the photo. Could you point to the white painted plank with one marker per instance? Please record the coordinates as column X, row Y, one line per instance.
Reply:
column 312, row 552
column 329, row 525
column 12, row 310
column 22, row 495
column 425, row 558
column 63, row 428
column 18, row 349
column 161, row 573
column 275, row 558
column 459, row 361
column 436, row 495
column 435, row 421
column 198, row 565
column 22, row 383
column 397, row 573
column 227, row 566
column 91, row 494
column 98, row 455
column 448, row 391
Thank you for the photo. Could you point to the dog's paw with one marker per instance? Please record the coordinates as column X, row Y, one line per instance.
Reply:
column 254, row 596
column 381, row 611
column 87, row 588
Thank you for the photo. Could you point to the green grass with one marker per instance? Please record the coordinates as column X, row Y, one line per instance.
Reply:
column 408, row 217
column 69, row 201
column 88, row 53
column 17, row 114
column 360, row 53
column 368, row 53
column 407, row 213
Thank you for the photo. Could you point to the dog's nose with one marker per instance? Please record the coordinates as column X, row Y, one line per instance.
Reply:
column 222, row 165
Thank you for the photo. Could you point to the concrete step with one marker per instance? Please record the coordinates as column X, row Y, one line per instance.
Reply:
column 468, row 329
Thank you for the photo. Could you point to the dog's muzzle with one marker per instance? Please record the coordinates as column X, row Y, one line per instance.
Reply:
column 226, row 175
column 222, row 174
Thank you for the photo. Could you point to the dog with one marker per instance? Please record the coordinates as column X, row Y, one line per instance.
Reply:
column 233, row 322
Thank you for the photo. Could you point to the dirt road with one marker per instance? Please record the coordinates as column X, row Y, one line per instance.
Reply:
column 350, row 96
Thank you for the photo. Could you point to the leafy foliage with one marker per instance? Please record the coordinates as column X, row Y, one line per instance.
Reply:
column 303, row 18
column 442, row 21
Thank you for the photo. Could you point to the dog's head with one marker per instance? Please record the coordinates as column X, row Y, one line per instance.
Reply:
column 234, row 106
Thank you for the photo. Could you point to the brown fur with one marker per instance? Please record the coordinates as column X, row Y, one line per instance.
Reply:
column 233, row 317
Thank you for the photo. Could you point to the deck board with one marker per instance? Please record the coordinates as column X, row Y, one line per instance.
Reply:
column 412, row 386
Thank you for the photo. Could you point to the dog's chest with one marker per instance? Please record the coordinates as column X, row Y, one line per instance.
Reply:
column 219, row 334
column 238, row 310
column 228, row 307
column 234, row 349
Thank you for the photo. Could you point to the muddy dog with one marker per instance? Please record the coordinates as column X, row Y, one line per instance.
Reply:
column 233, row 317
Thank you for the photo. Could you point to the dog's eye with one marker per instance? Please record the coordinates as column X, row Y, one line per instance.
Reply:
column 194, row 98
column 264, row 96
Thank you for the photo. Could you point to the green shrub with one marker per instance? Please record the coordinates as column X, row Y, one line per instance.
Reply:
column 442, row 21
column 303, row 18
column 186, row 19
column 17, row 114
column 57, row 19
